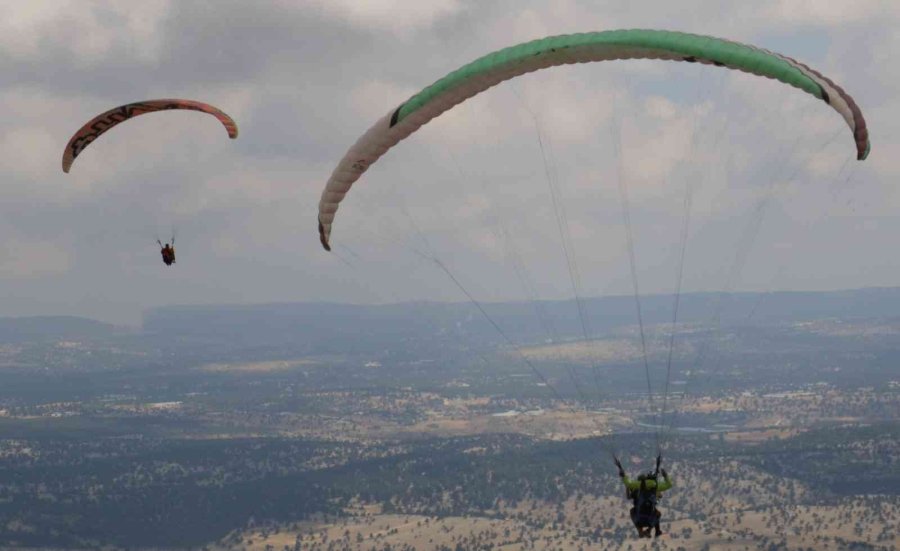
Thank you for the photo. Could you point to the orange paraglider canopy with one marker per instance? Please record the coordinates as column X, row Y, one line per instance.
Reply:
column 103, row 122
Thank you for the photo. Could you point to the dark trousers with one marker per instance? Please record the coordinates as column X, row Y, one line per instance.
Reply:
column 644, row 520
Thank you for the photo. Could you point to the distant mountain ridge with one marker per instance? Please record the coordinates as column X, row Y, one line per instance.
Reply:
column 324, row 326
column 41, row 328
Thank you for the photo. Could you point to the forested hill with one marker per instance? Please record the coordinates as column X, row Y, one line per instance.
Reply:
column 266, row 324
column 324, row 322
column 41, row 328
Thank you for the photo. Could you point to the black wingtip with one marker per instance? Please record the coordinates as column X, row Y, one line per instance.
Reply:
column 322, row 237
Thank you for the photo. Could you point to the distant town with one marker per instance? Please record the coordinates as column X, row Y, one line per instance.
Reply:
column 424, row 432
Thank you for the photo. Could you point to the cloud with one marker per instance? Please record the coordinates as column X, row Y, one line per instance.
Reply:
column 23, row 260
column 812, row 12
column 91, row 29
column 372, row 99
column 395, row 16
column 304, row 79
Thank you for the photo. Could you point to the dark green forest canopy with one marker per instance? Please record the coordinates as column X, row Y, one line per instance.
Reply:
column 176, row 492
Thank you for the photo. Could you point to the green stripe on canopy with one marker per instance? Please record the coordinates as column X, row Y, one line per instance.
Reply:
column 666, row 43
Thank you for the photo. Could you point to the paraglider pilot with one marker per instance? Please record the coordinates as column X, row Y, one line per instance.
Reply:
column 168, row 253
column 644, row 493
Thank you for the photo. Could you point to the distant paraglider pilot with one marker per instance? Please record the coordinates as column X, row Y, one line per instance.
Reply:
column 168, row 253
column 644, row 493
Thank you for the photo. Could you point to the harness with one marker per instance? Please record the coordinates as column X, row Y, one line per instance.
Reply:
column 645, row 503
column 644, row 513
column 168, row 253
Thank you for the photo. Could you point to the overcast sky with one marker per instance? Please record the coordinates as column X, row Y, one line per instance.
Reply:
column 776, row 200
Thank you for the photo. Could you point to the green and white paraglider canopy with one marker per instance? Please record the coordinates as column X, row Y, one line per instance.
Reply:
column 514, row 61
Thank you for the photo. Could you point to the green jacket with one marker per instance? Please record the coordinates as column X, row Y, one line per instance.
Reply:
column 634, row 485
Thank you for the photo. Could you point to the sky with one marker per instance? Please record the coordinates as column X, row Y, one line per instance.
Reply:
column 521, row 192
